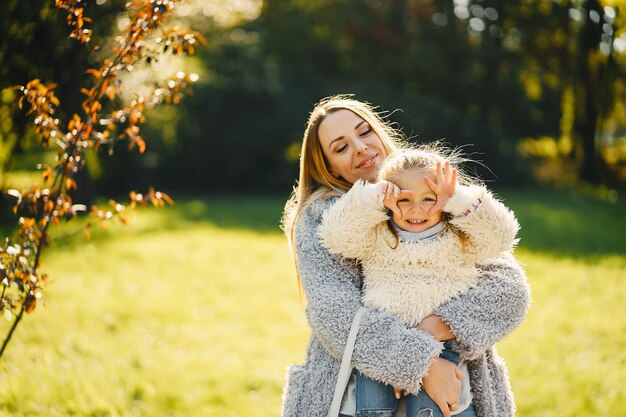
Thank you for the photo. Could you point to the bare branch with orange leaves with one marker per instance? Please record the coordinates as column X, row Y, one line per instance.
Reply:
column 105, row 118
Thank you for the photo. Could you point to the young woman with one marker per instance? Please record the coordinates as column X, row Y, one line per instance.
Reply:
column 345, row 141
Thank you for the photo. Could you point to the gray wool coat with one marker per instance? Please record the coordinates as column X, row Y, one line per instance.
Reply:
column 385, row 348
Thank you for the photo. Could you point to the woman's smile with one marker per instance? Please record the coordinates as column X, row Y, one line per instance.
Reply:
column 369, row 162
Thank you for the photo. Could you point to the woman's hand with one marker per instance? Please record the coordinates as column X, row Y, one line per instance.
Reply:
column 443, row 384
column 444, row 187
column 437, row 328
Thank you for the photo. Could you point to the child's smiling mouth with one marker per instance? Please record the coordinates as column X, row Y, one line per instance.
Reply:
column 418, row 222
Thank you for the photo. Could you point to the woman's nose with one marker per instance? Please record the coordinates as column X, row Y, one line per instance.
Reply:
column 360, row 147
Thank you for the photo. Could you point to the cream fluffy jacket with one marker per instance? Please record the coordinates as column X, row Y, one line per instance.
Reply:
column 416, row 277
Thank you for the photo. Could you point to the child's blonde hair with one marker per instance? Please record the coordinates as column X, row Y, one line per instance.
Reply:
column 424, row 157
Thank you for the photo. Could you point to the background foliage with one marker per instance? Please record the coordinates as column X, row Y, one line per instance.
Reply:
column 536, row 87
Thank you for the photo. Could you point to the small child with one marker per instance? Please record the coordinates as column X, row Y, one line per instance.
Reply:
column 419, row 237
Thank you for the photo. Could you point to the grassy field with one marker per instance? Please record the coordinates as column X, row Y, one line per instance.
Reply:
column 193, row 310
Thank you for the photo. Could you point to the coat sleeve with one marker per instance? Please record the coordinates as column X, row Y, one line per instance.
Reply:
column 385, row 349
column 489, row 224
column 348, row 227
column 489, row 311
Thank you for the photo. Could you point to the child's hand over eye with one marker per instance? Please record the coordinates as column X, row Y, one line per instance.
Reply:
column 444, row 187
column 391, row 193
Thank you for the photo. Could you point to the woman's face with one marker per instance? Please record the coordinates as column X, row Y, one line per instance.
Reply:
column 353, row 150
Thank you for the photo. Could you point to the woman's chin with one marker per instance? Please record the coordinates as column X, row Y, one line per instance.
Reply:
column 369, row 174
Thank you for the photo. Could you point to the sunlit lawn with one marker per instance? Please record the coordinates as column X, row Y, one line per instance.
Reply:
column 193, row 311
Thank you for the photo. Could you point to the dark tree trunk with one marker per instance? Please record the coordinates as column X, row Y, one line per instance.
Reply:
column 587, row 91
column 589, row 168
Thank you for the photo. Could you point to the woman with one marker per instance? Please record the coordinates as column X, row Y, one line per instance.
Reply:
column 345, row 140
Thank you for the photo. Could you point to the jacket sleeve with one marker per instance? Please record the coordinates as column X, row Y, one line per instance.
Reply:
column 385, row 349
column 489, row 311
column 348, row 227
column 489, row 224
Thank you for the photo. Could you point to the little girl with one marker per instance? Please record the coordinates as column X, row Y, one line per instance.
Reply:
column 419, row 237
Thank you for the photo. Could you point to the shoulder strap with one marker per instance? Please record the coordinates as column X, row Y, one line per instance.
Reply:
column 346, row 364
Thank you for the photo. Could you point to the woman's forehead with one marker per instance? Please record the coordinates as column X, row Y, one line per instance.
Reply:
column 338, row 121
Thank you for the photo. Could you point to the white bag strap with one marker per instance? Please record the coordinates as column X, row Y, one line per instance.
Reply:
column 346, row 364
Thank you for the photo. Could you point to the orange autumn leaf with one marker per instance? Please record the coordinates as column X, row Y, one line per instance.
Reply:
column 104, row 86
column 110, row 93
column 50, row 87
column 28, row 222
column 47, row 174
column 29, row 304
column 95, row 107
column 167, row 198
column 141, row 144
column 70, row 183
column 93, row 72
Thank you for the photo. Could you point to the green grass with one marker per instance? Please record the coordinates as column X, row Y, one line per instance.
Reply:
column 568, row 357
column 194, row 310
column 22, row 179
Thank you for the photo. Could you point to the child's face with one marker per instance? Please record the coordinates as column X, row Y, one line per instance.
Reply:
column 415, row 205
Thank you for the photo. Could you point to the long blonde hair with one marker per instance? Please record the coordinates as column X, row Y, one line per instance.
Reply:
column 315, row 181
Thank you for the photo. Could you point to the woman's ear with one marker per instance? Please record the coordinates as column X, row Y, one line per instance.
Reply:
column 334, row 174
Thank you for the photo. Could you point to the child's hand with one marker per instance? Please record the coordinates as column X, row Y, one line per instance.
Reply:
column 391, row 192
column 444, row 187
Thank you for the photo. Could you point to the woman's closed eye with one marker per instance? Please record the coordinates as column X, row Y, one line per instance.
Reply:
column 341, row 148
column 365, row 132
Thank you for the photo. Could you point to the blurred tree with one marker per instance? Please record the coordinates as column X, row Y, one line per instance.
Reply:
column 487, row 72
column 571, row 70
column 35, row 47
column 597, row 72
column 416, row 56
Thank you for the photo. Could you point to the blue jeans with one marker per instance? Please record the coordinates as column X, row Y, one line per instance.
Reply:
column 375, row 399
column 469, row 412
